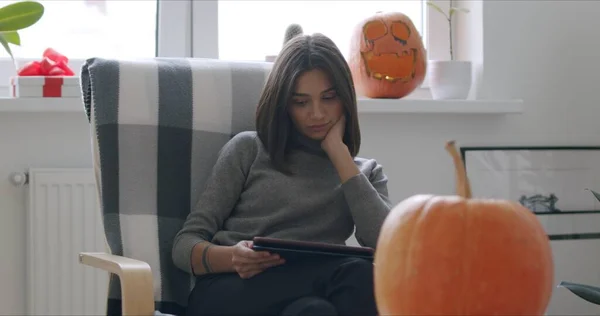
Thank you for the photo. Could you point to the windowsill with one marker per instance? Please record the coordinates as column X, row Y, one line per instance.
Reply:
column 41, row 105
column 429, row 106
column 365, row 106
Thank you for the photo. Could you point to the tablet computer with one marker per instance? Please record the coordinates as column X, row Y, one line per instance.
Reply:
column 294, row 249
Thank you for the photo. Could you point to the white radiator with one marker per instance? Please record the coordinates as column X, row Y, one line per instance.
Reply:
column 63, row 219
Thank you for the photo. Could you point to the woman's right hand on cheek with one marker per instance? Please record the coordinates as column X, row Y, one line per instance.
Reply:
column 248, row 263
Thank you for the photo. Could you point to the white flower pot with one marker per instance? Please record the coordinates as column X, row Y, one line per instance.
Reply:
column 449, row 79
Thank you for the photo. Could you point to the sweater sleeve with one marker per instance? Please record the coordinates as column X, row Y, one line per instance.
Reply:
column 218, row 199
column 367, row 198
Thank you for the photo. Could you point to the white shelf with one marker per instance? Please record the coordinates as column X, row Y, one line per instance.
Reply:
column 365, row 106
column 408, row 106
column 41, row 105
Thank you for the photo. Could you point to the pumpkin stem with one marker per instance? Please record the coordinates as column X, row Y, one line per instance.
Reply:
column 463, row 188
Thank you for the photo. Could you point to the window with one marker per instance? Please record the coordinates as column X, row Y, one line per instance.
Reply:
column 250, row 30
column 254, row 29
column 226, row 29
column 80, row 29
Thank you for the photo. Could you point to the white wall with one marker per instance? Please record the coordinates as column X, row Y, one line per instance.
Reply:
column 31, row 140
column 544, row 52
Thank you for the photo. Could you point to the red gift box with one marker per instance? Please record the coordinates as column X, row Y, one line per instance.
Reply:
column 45, row 87
column 50, row 77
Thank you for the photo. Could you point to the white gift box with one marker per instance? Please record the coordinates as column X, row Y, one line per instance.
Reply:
column 45, row 87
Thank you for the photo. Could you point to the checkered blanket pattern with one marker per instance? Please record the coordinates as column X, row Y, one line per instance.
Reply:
column 157, row 127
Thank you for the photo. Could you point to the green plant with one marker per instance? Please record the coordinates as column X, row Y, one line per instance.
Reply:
column 15, row 17
column 448, row 16
column 292, row 31
column 586, row 292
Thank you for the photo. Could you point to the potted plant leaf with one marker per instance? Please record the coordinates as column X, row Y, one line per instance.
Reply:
column 291, row 31
column 587, row 292
column 449, row 79
column 15, row 17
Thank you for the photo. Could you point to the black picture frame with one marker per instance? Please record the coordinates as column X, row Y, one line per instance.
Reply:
column 563, row 222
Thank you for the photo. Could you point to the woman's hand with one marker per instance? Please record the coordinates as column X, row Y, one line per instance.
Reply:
column 334, row 146
column 334, row 140
column 248, row 263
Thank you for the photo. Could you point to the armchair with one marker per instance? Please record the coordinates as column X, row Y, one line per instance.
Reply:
column 157, row 126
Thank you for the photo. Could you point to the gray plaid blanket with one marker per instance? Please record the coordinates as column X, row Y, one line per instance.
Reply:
column 157, row 127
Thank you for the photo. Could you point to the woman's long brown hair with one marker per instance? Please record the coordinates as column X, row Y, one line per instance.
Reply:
column 303, row 53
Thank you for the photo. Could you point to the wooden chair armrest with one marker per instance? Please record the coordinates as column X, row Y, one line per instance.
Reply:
column 137, row 289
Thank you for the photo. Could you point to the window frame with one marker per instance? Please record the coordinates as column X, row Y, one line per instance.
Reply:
column 189, row 28
column 173, row 39
column 205, row 27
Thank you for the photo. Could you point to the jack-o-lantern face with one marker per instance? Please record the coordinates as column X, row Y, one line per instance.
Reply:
column 387, row 56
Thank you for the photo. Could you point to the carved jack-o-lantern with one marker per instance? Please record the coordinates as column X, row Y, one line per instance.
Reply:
column 387, row 56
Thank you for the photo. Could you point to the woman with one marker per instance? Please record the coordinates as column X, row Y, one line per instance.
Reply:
column 297, row 177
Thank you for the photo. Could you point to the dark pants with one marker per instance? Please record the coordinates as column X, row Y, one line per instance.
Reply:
column 338, row 286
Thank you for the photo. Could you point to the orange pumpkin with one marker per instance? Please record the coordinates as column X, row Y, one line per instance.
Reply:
column 453, row 255
column 387, row 57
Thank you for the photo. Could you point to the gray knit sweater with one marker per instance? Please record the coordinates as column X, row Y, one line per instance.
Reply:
column 246, row 197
